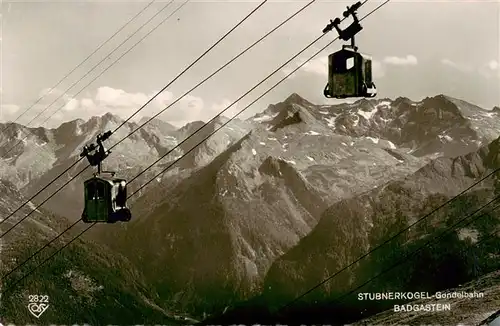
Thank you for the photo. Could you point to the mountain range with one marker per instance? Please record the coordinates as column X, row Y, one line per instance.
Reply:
column 256, row 215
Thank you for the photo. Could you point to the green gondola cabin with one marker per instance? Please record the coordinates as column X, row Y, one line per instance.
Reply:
column 349, row 75
column 105, row 200
column 349, row 72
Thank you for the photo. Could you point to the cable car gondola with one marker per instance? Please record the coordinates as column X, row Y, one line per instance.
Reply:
column 105, row 197
column 349, row 71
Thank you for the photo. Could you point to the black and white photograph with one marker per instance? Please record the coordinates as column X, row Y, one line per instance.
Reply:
column 248, row 162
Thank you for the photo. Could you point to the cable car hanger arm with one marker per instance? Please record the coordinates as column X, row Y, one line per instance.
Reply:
column 349, row 32
column 96, row 159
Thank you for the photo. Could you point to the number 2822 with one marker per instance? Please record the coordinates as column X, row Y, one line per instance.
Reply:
column 38, row 298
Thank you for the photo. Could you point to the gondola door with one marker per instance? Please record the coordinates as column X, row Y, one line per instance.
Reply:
column 96, row 201
column 343, row 71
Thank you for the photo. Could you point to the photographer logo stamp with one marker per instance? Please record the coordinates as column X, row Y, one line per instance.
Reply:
column 38, row 304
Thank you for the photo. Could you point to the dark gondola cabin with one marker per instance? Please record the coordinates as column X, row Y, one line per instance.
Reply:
column 105, row 200
column 349, row 75
column 349, row 72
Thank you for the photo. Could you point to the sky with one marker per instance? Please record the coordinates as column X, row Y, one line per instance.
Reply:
column 419, row 48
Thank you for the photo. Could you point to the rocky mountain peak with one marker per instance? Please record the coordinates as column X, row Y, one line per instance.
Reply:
column 10, row 129
column 366, row 103
column 76, row 122
column 437, row 125
column 163, row 125
column 97, row 121
column 292, row 115
column 400, row 100
column 111, row 117
column 221, row 119
column 191, row 126
column 442, row 103
column 273, row 166
column 297, row 99
column 293, row 111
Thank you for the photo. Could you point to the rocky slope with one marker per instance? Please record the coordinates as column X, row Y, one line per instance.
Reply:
column 63, row 145
column 254, row 202
column 85, row 283
column 239, row 215
column 30, row 153
column 213, row 146
column 351, row 227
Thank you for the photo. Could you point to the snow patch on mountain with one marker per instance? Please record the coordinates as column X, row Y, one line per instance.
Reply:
column 445, row 138
column 264, row 117
column 424, row 126
column 330, row 121
column 367, row 115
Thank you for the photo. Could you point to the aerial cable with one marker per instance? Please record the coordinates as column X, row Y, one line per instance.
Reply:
column 39, row 250
column 427, row 215
column 199, row 143
column 394, row 236
column 444, row 233
column 75, row 163
column 487, row 237
column 233, row 118
column 85, row 60
column 86, row 229
column 45, row 260
column 246, row 107
column 191, row 65
column 230, row 61
column 182, row 72
column 98, row 64
column 216, row 72
column 242, row 110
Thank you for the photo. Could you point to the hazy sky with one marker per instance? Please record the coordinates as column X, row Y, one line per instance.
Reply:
column 420, row 48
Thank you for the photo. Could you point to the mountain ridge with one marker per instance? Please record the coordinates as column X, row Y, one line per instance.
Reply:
column 82, row 282
column 221, row 225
